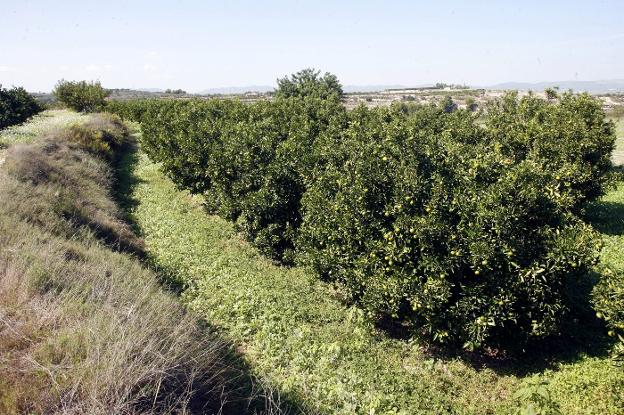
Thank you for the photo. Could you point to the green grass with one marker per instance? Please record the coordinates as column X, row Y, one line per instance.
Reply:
column 297, row 335
column 618, row 154
column 43, row 123
column 608, row 217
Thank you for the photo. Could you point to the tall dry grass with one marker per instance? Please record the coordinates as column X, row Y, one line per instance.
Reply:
column 85, row 328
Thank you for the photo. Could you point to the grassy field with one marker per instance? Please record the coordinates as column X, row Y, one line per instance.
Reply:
column 297, row 335
column 43, row 123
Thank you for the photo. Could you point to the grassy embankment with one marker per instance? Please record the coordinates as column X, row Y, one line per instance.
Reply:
column 85, row 328
column 41, row 124
column 296, row 333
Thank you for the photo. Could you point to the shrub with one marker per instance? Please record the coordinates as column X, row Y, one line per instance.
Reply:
column 448, row 105
column 568, row 136
column 175, row 91
column 534, row 398
column 270, row 213
column 426, row 220
column 471, row 104
column 16, row 106
column 131, row 110
column 551, row 93
column 309, row 83
column 81, row 96
column 608, row 298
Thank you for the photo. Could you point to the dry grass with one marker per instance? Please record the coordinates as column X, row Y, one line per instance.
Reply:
column 87, row 331
column 63, row 189
column 100, row 134
column 84, row 327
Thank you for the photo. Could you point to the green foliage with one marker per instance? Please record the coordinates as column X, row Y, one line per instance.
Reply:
column 426, row 220
column 131, row 110
column 309, row 83
column 81, row 96
column 467, row 234
column 569, row 137
column 300, row 337
column 16, row 106
column 447, row 105
column 534, row 398
column 249, row 161
column 175, row 91
column 608, row 294
column 608, row 297
column 551, row 93
column 471, row 104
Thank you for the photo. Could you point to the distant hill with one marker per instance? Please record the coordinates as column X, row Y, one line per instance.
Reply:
column 150, row 90
column 370, row 88
column 236, row 90
column 594, row 87
column 267, row 88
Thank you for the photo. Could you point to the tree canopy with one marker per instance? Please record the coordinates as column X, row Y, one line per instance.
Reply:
column 309, row 82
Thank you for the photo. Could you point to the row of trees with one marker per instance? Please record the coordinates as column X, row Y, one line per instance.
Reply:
column 16, row 106
column 86, row 96
column 467, row 233
column 287, row 193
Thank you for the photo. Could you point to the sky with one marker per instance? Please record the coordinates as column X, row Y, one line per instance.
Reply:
column 196, row 45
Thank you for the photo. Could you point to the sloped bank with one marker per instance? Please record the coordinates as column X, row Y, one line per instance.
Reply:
column 84, row 327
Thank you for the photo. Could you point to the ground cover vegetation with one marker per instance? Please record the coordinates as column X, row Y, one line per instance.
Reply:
column 618, row 154
column 16, row 106
column 84, row 326
column 466, row 232
column 297, row 334
column 39, row 125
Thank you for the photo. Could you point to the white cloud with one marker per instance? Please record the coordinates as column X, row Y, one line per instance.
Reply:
column 5, row 68
column 92, row 68
column 148, row 67
column 151, row 54
column 108, row 68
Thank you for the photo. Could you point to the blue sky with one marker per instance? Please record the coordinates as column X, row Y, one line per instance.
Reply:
column 195, row 45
